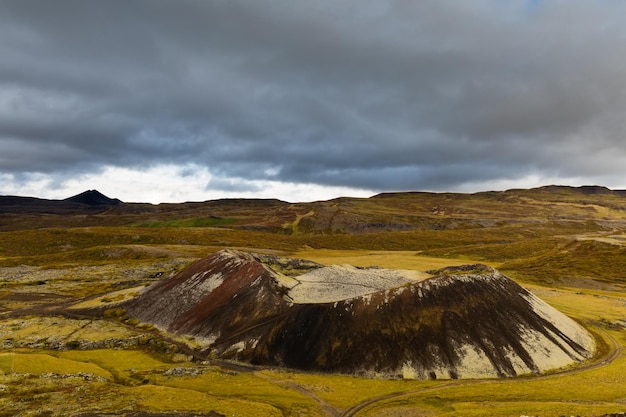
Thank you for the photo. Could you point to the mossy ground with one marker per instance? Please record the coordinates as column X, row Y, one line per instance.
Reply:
column 577, row 266
column 136, row 378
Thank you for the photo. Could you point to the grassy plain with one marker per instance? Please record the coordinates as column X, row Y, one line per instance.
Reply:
column 139, row 381
column 566, row 247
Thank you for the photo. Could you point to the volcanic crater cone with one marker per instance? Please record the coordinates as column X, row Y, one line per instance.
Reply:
column 458, row 322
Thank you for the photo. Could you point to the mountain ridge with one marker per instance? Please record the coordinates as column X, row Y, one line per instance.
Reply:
column 88, row 196
column 386, row 212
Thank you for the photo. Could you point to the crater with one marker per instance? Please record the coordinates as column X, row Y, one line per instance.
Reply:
column 457, row 322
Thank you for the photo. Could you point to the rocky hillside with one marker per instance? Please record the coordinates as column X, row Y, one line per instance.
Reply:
column 462, row 322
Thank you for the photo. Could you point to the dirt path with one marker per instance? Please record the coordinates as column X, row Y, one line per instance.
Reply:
column 296, row 222
column 328, row 409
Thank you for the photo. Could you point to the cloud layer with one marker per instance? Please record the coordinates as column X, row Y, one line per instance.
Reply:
column 388, row 95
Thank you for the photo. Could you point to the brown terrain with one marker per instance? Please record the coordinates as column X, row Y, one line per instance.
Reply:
column 91, row 275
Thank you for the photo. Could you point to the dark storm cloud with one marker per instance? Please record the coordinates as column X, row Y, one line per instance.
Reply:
column 380, row 95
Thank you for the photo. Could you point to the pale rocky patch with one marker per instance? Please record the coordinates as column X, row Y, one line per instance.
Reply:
column 341, row 282
column 566, row 325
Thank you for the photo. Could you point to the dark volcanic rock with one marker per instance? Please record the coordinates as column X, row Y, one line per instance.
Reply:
column 93, row 198
column 461, row 323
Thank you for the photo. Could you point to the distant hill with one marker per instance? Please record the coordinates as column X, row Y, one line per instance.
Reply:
column 40, row 212
column 387, row 212
column 93, row 198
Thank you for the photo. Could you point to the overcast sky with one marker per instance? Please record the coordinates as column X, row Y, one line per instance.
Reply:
column 167, row 101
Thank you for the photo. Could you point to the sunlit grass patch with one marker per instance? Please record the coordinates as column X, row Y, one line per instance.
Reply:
column 7, row 363
column 39, row 363
column 436, row 407
column 246, row 386
column 162, row 398
column 593, row 386
column 344, row 391
column 385, row 259
column 116, row 360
